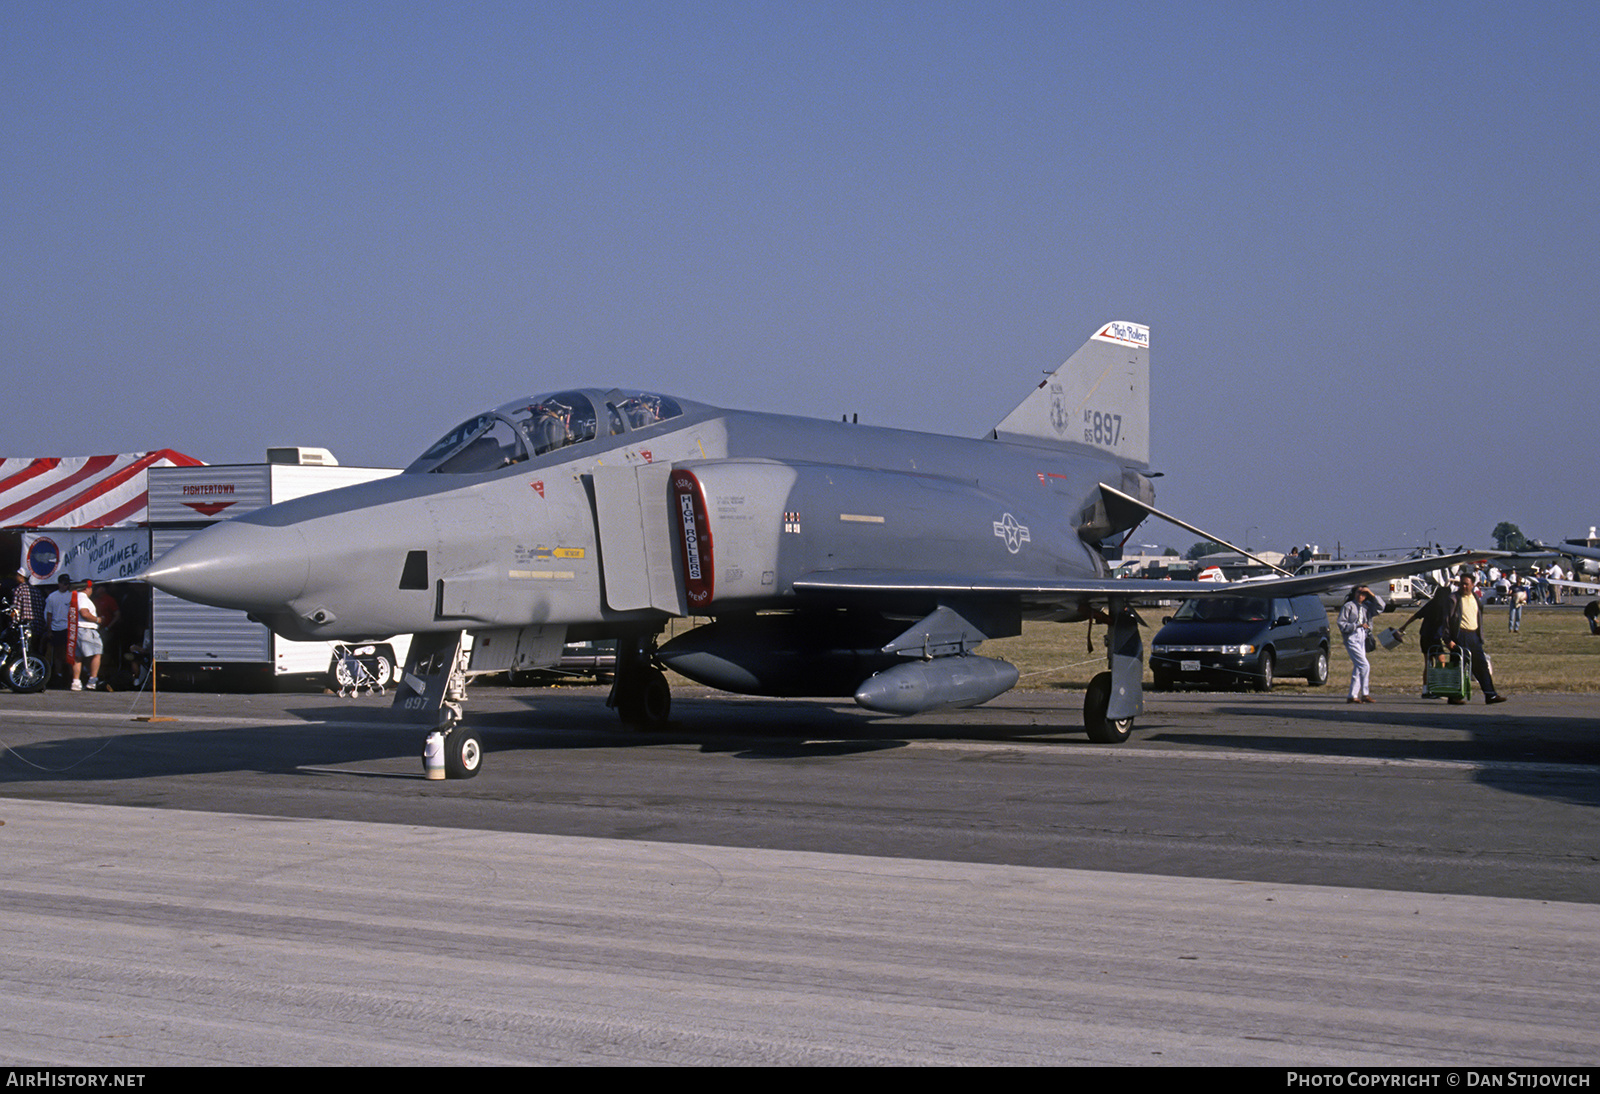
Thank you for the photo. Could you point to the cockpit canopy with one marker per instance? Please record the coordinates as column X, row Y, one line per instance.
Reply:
column 525, row 428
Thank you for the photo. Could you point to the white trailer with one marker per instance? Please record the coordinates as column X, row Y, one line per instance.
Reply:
column 200, row 641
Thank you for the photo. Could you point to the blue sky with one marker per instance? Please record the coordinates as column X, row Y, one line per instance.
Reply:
column 1363, row 235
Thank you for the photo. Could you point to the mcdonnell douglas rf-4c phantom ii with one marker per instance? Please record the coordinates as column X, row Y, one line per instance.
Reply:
column 827, row 558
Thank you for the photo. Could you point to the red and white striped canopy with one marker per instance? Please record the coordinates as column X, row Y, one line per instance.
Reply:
column 80, row 491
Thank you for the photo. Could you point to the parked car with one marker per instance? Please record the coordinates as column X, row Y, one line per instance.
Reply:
column 1241, row 641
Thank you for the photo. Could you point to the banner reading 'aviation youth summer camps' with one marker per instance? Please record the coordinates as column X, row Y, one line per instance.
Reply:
column 108, row 554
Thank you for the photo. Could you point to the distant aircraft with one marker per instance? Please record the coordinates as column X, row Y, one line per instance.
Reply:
column 829, row 558
column 1574, row 548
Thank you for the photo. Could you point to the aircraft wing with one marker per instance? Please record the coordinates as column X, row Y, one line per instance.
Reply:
column 1075, row 589
column 1581, row 586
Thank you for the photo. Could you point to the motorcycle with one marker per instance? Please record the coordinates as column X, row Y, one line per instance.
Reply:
column 21, row 668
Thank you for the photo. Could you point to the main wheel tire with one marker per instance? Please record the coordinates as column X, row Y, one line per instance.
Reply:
column 1096, row 700
column 1263, row 677
column 463, row 753
column 645, row 700
column 27, row 674
column 1319, row 669
column 382, row 672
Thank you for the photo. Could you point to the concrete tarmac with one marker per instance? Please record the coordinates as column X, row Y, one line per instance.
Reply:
column 1253, row 879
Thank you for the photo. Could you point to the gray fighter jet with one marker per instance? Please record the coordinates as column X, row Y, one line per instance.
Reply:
column 823, row 558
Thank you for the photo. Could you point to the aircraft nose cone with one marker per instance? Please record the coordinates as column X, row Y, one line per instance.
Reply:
column 251, row 567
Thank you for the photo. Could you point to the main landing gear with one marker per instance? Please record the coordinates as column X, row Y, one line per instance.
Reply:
column 640, row 692
column 1114, row 698
column 1096, row 702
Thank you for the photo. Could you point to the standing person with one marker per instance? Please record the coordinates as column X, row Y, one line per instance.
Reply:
column 1515, row 598
column 16, row 604
column 1432, row 615
column 90, row 645
column 57, row 620
column 109, row 608
column 1355, row 623
column 20, row 597
column 1462, row 631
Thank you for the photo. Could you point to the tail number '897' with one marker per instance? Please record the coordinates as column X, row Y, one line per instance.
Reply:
column 1101, row 428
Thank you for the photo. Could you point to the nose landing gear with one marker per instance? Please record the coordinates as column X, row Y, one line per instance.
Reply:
column 432, row 690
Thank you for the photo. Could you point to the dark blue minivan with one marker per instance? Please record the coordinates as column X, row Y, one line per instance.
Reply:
column 1241, row 641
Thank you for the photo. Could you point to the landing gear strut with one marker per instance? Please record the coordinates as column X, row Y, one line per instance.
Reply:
column 640, row 692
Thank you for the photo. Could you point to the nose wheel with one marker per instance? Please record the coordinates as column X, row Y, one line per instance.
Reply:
column 463, row 753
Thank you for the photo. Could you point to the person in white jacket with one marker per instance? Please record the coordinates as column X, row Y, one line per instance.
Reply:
column 1355, row 623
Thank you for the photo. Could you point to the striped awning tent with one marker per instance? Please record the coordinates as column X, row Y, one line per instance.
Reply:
column 80, row 491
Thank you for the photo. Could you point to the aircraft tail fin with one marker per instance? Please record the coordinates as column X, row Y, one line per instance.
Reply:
column 1099, row 399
